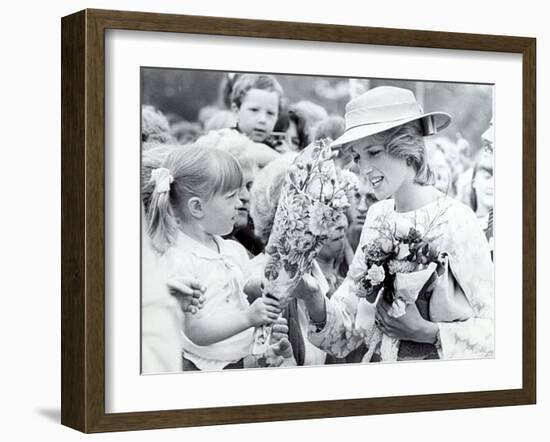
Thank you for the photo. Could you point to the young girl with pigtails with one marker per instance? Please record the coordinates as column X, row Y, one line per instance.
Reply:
column 193, row 203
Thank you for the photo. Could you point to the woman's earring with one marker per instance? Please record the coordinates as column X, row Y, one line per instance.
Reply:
column 409, row 161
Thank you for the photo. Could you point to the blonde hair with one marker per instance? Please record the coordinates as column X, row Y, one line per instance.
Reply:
column 152, row 159
column 193, row 171
column 407, row 142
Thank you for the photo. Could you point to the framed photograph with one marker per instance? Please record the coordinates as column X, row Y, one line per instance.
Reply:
column 267, row 221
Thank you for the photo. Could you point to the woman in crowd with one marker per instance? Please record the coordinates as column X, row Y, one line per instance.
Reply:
column 482, row 185
column 384, row 131
column 482, row 194
column 303, row 116
column 444, row 179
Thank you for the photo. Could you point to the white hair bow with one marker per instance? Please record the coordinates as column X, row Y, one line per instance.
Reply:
column 162, row 178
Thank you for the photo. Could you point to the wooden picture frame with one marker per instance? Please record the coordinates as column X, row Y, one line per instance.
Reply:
column 83, row 220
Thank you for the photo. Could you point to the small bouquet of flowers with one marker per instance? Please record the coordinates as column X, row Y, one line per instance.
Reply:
column 402, row 263
column 313, row 200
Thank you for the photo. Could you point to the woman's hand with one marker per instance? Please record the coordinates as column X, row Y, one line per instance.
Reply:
column 279, row 330
column 263, row 311
column 410, row 327
column 282, row 349
column 188, row 292
column 309, row 290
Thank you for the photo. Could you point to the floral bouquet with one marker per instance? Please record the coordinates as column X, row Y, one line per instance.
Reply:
column 313, row 199
column 403, row 265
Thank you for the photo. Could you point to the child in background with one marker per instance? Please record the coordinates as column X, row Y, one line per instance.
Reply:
column 256, row 100
column 195, row 201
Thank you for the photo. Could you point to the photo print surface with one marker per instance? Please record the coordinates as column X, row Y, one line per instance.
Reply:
column 292, row 220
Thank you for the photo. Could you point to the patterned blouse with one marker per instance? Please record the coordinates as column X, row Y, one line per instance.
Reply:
column 462, row 302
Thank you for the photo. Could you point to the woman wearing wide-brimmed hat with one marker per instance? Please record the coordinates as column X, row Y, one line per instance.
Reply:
column 453, row 314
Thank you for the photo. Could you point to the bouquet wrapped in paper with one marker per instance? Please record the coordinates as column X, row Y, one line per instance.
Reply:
column 403, row 264
column 312, row 201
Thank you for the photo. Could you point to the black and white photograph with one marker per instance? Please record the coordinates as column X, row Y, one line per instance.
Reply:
column 240, row 221
column 291, row 220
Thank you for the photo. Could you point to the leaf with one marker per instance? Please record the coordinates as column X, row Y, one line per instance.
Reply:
column 286, row 248
column 271, row 271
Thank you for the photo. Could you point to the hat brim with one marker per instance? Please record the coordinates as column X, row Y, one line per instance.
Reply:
column 441, row 121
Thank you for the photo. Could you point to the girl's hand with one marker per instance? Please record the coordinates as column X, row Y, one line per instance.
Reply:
column 410, row 327
column 253, row 287
column 263, row 311
column 189, row 293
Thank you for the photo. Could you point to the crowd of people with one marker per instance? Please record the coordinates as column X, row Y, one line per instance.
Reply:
column 210, row 191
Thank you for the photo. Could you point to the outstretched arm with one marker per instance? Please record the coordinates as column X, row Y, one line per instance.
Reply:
column 215, row 328
column 334, row 326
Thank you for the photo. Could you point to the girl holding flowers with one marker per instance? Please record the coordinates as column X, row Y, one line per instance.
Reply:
column 421, row 282
column 194, row 202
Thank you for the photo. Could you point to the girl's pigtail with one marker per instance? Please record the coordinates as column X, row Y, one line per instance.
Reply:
column 161, row 221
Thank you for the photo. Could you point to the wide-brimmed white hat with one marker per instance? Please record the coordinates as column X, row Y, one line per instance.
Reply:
column 383, row 108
